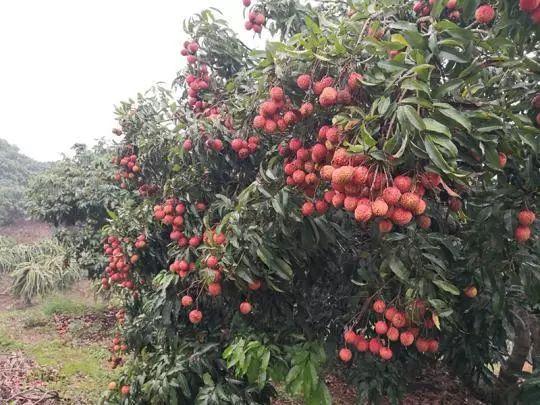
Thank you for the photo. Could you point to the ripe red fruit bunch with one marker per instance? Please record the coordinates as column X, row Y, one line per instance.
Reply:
column 245, row 148
column 422, row 8
column 171, row 213
column 120, row 263
column 197, row 82
column 189, row 51
column 129, row 169
column 148, row 190
column 255, row 21
column 276, row 113
column 390, row 329
column 523, row 231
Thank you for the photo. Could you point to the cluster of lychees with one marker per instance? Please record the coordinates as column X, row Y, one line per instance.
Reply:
column 129, row 169
column 423, row 8
column 256, row 19
column 531, row 7
column 172, row 213
column 276, row 114
column 120, row 262
column 348, row 181
column 523, row 231
column 245, row 148
column 328, row 94
column 148, row 190
column 393, row 328
column 196, row 84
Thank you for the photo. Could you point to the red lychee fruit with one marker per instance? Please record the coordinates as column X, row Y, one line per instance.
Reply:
column 433, row 346
column 343, row 175
column 306, row 109
column 385, row 353
column 124, row 390
column 455, row 204
column 276, row 93
column 338, row 199
column 245, row 308
column 522, row 233
column 422, row 345
column 502, row 160
column 328, row 97
column 406, row 338
column 350, row 203
column 399, row 320
column 361, row 175
column 528, row 5
column 259, row 122
column 471, row 291
column 308, row 208
column 381, row 327
column 186, row 301
column 374, row 345
column 353, row 82
column 214, row 289
column 270, row 126
column 423, row 221
column 321, row 206
column 212, row 262
column 484, row 14
column 260, row 19
column 304, row 81
column 326, row 172
column 350, row 336
column 363, row 213
column 391, row 195
column 187, row 145
column 298, row 176
column 385, row 226
column 195, row 316
column 345, row 355
column 451, row 4
column 379, row 207
column 344, row 97
column 403, row 183
column 401, row 216
column 295, row 144
column 418, row 6
column 420, row 208
column 392, row 334
column 526, row 217
column 361, row 344
column 379, row 306
column 246, row 3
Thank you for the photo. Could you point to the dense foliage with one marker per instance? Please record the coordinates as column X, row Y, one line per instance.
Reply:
column 15, row 171
column 364, row 186
column 73, row 195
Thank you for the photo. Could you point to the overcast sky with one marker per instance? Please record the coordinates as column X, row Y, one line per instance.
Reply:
column 65, row 63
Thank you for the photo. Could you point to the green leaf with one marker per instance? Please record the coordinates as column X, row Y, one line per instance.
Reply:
column 408, row 115
column 455, row 115
column 446, row 286
column 398, row 268
column 435, row 156
column 435, row 126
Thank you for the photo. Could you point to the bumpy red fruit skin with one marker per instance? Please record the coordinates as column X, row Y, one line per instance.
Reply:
column 379, row 306
column 362, row 345
column 353, row 81
column 350, row 337
column 420, row 207
column 451, row 4
column 528, row 5
column 363, row 213
column 502, row 160
column 259, row 122
column 403, row 183
column 379, row 208
column 391, row 195
column 526, row 217
column 484, row 14
column 328, row 97
column 409, row 201
column 433, row 346
column 308, row 208
column 398, row 320
column 401, row 216
column 385, row 353
column 245, row 308
column 471, row 291
column 276, row 93
column 424, row 221
column 522, row 233
column 304, row 82
column 385, row 226
column 381, row 327
column 345, row 355
column 186, row 301
column 195, row 316
column 298, row 176
column 214, row 289
column 422, row 345
column 321, row 207
column 393, row 334
column 406, row 338
column 374, row 345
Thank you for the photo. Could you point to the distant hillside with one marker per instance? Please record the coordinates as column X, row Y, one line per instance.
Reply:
column 15, row 171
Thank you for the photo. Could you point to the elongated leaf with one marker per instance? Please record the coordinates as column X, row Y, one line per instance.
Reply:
column 407, row 115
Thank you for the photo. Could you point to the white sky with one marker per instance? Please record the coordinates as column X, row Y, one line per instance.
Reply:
column 64, row 64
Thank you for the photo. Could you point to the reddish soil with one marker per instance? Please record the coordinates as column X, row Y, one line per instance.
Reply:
column 26, row 231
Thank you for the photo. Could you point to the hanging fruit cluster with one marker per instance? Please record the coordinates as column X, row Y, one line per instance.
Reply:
column 120, row 262
column 531, row 7
column 389, row 329
column 129, row 168
column 256, row 19
column 245, row 148
column 523, row 231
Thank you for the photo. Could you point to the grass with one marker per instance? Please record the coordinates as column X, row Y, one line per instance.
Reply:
column 77, row 370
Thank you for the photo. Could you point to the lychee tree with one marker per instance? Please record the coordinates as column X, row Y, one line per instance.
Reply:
column 358, row 196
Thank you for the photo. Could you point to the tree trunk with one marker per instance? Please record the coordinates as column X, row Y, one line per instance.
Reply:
column 507, row 387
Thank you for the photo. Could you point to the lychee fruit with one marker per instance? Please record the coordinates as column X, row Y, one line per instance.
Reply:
column 526, row 217
column 401, row 216
column 350, row 336
column 406, row 338
column 363, row 213
column 308, row 208
column 374, row 345
column 471, row 291
column 484, row 14
column 522, row 233
column 385, row 353
column 353, row 82
column 245, row 308
column 391, row 195
column 385, row 226
column 502, row 160
column 186, row 301
column 379, row 306
column 403, row 183
column 423, row 221
column 328, row 97
column 379, row 207
column 304, row 81
column 528, row 5
column 381, row 327
column 393, row 334
column 195, row 316
column 345, row 355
